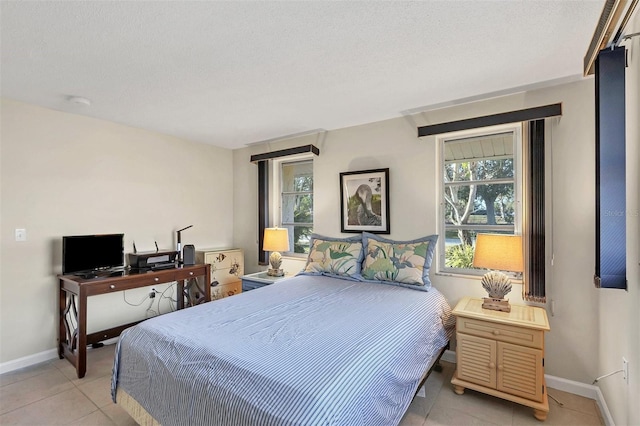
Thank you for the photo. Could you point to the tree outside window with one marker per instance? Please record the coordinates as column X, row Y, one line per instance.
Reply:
column 297, row 203
column 479, row 194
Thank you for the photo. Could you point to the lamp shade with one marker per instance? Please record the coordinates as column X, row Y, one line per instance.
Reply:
column 499, row 252
column 276, row 239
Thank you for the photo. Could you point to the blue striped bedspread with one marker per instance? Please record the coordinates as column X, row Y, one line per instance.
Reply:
column 309, row 350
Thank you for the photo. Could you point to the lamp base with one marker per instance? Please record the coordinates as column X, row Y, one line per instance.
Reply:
column 496, row 304
column 275, row 272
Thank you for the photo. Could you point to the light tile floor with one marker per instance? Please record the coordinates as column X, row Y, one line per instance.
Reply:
column 441, row 406
column 50, row 393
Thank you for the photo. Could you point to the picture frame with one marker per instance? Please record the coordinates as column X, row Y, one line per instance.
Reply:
column 364, row 201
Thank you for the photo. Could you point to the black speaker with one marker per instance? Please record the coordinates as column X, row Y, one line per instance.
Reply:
column 189, row 255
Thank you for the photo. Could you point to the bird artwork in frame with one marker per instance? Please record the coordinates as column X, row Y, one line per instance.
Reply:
column 364, row 201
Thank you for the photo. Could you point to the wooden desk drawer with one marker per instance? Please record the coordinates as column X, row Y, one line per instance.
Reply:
column 129, row 283
column 501, row 332
column 183, row 275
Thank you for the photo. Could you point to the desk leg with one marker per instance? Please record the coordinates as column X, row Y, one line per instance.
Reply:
column 207, row 283
column 70, row 333
column 81, row 367
column 180, row 294
column 194, row 292
column 62, row 330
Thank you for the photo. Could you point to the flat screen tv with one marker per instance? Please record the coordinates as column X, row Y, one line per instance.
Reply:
column 86, row 253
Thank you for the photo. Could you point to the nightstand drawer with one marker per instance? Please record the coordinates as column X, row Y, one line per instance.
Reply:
column 260, row 279
column 251, row 285
column 501, row 332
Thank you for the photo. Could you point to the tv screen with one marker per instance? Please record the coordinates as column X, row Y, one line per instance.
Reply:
column 82, row 253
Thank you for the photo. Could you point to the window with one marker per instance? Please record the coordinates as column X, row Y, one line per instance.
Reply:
column 529, row 167
column 269, row 171
column 296, row 203
column 481, row 192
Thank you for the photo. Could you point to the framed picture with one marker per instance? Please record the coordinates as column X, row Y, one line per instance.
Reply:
column 364, row 201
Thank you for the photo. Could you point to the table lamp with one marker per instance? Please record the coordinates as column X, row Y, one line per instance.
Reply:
column 275, row 241
column 499, row 253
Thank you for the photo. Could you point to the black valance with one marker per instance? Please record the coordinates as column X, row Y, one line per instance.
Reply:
column 285, row 152
column 528, row 114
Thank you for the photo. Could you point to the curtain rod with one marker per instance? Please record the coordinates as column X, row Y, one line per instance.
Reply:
column 625, row 38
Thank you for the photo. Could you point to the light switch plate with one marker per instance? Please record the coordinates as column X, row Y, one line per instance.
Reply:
column 21, row 234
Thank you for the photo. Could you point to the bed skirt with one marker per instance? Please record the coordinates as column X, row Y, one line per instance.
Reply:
column 135, row 410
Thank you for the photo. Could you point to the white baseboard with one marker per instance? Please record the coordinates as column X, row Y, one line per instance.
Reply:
column 28, row 361
column 582, row 389
column 565, row 385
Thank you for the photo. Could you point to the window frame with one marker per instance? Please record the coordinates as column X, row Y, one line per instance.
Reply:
column 276, row 193
column 519, row 189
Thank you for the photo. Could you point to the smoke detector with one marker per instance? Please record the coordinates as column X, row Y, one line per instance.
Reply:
column 79, row 100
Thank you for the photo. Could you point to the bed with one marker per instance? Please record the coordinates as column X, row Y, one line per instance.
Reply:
column 312, row 350
column 348, row 342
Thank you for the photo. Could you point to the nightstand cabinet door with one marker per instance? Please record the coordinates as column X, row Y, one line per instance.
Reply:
column 520, row 371
column 476, row 360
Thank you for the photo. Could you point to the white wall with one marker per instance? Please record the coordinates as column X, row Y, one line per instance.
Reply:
column 619, row 319
column 572, row 344
column 65, row 174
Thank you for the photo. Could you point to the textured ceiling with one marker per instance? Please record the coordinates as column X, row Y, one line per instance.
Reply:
column 236, row 73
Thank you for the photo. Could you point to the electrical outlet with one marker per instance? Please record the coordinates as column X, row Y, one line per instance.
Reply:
column 152, row 293
column 625, row 370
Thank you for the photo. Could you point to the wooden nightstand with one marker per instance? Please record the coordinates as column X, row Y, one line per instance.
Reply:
column 502, row 353
column 259, row 279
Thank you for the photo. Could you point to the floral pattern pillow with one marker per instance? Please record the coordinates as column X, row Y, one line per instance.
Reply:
column 404, row 262
column 338, row 257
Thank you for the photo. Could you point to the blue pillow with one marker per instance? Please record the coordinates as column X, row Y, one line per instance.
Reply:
column 403, row 263
column 334, row 257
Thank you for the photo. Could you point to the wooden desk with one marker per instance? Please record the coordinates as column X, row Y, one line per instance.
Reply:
column 74, row 291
